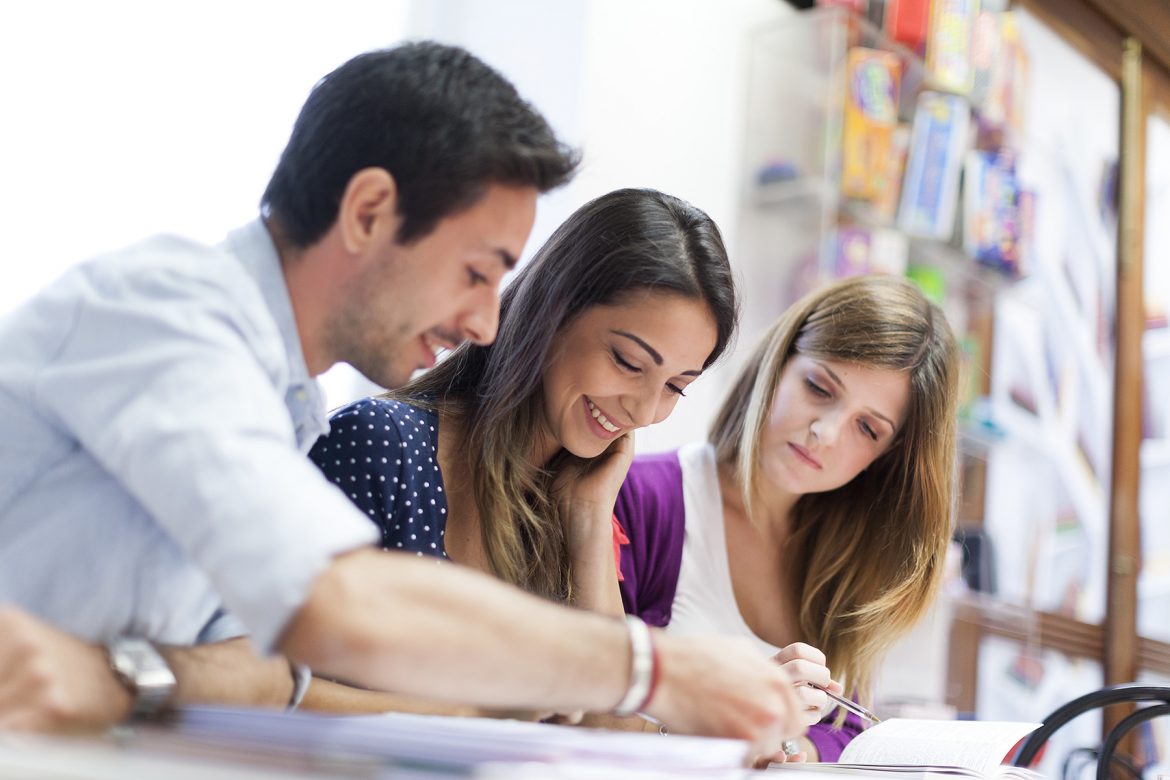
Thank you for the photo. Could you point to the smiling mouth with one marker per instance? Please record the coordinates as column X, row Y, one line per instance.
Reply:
column 437, row 344
column 602, row 420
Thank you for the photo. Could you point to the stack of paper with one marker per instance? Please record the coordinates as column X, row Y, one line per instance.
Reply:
column 452, row 743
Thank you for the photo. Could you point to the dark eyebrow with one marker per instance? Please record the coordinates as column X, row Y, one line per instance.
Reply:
column 871, row 410
column 650, row 350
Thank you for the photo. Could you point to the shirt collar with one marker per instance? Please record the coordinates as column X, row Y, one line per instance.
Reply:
column 252, row 245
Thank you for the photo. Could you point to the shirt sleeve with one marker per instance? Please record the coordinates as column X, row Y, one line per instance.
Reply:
column 173, row 389
column 829, row 739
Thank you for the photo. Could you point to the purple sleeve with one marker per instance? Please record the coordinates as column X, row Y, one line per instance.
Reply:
column 830, row 741
column 650, row 511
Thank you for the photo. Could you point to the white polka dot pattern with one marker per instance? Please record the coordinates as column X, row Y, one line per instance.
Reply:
column 393, row 477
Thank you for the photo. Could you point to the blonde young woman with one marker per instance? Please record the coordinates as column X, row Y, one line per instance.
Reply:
column 819, row 511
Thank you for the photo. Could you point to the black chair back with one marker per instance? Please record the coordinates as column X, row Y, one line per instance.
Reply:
column 1113, row 694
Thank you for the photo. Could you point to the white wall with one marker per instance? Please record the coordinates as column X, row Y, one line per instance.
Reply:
column 125, row 118
column 664, row 89
column 652, row 90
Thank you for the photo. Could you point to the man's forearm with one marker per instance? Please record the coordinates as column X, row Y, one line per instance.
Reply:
column 396, row 622
column 52, row 681
column 329, row 696
column 229, row 672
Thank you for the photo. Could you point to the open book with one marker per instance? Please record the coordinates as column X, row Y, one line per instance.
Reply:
column 904, row 748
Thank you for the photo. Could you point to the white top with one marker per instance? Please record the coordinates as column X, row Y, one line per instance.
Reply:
column 704, row 602
column 155, row 412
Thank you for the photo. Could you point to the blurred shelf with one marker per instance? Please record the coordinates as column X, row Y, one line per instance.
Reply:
column 1029, row 626
column 1153, row 655
column 805, row 194
column 977, row 437
column 796, row 192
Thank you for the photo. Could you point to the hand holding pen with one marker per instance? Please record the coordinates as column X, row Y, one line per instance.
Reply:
column 806, row 667
column 848, row 704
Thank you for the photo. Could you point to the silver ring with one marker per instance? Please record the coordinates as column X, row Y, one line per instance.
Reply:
column 790, row 747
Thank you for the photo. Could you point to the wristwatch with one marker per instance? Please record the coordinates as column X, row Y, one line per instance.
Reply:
column 145, row 673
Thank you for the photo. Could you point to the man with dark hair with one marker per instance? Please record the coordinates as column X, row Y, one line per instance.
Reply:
column 156, row 405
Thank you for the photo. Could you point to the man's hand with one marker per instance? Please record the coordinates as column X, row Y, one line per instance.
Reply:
column 723, row 687
column 52, row 681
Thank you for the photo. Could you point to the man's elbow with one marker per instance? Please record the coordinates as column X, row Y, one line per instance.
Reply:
column 335, row 631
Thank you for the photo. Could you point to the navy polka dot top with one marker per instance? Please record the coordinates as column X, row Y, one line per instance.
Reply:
column 382, row 454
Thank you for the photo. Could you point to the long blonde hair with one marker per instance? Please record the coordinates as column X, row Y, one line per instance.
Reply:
column 864, row 561
column 628, row 241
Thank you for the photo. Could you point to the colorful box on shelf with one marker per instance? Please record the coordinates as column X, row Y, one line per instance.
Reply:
column 907, row 22
column 873, row 80
column 930, row 187
column 949, row 44
column 995, row 212
column 999, row 90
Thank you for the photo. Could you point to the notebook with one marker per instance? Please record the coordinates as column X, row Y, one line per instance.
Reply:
column 906, row 748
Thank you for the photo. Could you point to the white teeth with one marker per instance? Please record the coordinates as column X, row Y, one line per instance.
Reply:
column 597, row 415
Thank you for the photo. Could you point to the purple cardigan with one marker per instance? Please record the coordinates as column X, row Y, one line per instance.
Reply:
column 650, row 510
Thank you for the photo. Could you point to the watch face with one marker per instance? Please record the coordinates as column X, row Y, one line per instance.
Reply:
column 145, row 672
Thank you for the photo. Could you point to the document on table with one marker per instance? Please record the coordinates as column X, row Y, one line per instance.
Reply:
column 454, row 742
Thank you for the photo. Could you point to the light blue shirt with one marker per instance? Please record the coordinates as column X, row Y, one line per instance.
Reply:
column 155, row 412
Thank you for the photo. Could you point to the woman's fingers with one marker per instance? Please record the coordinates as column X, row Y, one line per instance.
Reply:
column 806, row 671
column 799, row 651
column 805, row 664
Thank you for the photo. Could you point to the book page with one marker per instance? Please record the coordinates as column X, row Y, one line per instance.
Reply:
column 978, row 745
column 817, row 771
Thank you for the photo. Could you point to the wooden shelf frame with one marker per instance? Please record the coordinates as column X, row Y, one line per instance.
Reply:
column 1130, row 41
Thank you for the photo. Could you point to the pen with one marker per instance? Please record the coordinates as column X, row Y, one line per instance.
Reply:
column 848, row 704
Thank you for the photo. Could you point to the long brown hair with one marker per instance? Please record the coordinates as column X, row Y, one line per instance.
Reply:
column 628, row 241
column 864, row 560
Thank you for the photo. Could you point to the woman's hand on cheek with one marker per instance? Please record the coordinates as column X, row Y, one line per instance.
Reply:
column 587, row 491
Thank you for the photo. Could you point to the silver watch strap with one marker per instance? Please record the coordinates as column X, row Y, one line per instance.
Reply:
column 145, row 673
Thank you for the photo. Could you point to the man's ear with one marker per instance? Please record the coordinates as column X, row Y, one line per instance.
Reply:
column 368, row 209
